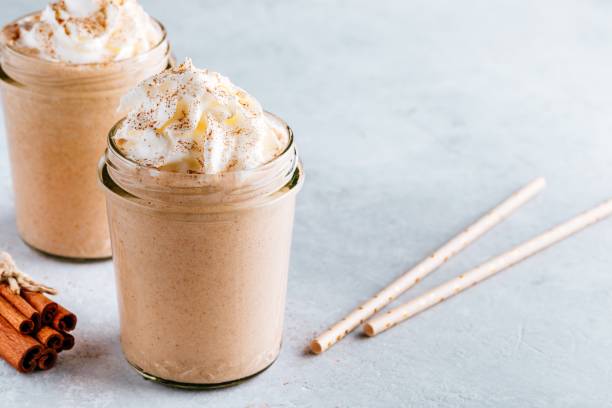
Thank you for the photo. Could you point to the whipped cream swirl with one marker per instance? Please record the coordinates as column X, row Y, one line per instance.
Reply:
column 86, row 31
column 194, row 120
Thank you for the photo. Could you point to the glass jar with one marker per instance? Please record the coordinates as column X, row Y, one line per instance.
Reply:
column 57, row 116
column 201, row 264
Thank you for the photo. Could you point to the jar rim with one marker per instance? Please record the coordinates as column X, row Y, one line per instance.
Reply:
column 232, row 189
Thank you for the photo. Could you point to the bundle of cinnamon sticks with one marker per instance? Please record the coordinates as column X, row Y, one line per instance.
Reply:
column 33, row 329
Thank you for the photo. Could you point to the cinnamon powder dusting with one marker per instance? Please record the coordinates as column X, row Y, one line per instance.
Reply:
column 76, row 32
column 194, row 120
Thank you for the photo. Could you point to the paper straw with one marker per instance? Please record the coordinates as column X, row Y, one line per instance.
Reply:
column 491, row 267
column 426, row 266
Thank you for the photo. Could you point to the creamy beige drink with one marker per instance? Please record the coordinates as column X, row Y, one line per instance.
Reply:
column 200, row 187
column 64, row 70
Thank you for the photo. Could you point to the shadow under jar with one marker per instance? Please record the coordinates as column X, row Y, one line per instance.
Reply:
column 57, row 118
column 201, row 263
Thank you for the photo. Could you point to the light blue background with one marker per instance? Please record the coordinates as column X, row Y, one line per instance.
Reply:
column 412, row 118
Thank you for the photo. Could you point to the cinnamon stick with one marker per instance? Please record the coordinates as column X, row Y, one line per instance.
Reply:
column 17, row 349
column 19, row 322
column 47, row 359
column 45, row 306
column 68, row 342
column 50, row 338
column 64, row 320
column 20, row 304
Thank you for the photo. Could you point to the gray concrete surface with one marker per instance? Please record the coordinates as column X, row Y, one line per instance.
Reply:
column 412, row 119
